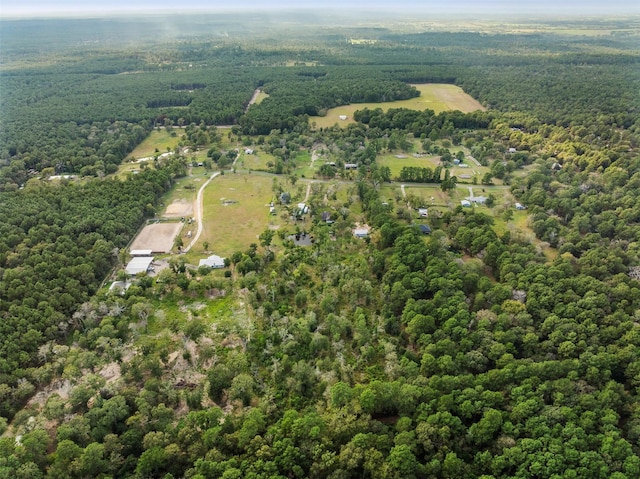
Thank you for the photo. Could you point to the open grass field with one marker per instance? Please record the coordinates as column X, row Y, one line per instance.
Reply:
column 465, row 175
column 257, row 161
column 158, row 140
column 396, row 164
column 434, row 96
column 236, row 211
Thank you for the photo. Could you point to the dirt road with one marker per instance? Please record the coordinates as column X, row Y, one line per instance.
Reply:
column 198, row 208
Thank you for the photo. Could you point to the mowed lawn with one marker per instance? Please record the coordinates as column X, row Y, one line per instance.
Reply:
column 236, row 211
column 438, row 97
column 396, row 164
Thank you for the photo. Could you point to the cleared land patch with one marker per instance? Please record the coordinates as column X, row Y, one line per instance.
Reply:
column 236, row 211
column 179, row 208
column 158, row 140
column 157, row 237
column 438, row 97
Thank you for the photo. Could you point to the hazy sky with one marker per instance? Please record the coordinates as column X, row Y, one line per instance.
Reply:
column 9, row 8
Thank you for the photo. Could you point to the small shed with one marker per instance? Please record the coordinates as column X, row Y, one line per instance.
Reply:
column 466, row 203
column 361, row 232
column 423, row 213
column 520, row 206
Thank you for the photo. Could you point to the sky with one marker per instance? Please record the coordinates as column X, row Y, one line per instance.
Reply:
column 38, row 8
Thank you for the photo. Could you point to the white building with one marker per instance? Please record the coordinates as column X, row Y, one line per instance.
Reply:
column 140, row 252
column 212, row 261
column 139, row 264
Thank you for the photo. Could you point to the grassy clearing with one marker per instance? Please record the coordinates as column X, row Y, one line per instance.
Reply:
column 157, row 142
column 260, row 98
column 303, row 167
column 396, row 164
column 234, row 225
column 433, row 96
column 258, row 161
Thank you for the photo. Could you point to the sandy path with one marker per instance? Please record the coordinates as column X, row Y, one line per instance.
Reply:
column 306, row 198
column 198, row 208
column 253, row 99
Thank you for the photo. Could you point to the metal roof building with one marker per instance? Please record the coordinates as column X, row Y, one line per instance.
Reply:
column 139, row 264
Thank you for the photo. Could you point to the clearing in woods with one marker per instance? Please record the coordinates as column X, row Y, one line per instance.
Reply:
column 438, row 97
column 236, row 211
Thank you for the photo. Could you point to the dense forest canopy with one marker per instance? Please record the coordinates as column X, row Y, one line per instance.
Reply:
column 489, row 348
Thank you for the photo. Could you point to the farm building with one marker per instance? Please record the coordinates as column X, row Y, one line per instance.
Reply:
column 140, row 252
column 479, row 200
column 465, row 203
column 213, row 261
column 350, row 166
column 343, row 117
column 139, row 264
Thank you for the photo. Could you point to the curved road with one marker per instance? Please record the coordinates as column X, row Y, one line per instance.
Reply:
column 198, row 208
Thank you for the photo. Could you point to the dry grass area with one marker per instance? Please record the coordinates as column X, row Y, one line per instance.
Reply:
column 236, row 211
column 179, row 208
column 433, row 96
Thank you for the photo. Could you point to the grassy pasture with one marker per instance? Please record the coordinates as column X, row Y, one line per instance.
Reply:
column 234, row 226
column 434, row 96
column 157, row 139
column 257, row 161
column 396, row 164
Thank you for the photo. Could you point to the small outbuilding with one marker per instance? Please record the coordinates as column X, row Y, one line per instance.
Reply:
column 520, row 206
column 212, row 261
column 361, row 232
column 424, row 229
column 465, row 203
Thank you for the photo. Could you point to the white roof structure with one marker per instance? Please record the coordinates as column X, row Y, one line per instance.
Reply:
column 140, row 252
column 361, row 233
column 139, row 264
column 466, row 203
column 212, row 261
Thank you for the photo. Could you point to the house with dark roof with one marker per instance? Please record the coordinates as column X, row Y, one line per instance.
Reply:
column 424, row 229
